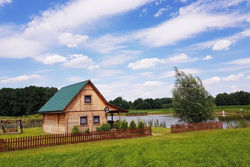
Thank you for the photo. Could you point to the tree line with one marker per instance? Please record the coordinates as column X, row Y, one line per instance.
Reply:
column 222, row 99
column 140, row 103
column 28, row 100
column 24, row 101
column 236, row 98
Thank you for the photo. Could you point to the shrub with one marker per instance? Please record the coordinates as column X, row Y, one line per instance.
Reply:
column 118, row 124
column 104, row 127
column 191, row 102
column 76, row 130
column 87, row 130
column 141, row 124
column 243, row 124
column 98, row 129
column 124, row 124
column 132, row 125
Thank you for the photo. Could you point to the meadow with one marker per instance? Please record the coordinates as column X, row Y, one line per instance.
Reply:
column 230, row 147
column 218, row 109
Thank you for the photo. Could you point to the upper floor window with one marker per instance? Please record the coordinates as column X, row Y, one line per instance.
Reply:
column 87, row 99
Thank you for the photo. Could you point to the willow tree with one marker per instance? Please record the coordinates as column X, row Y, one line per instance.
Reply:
column 191, row 101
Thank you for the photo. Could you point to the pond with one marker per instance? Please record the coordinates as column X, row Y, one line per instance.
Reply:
column 168, row 120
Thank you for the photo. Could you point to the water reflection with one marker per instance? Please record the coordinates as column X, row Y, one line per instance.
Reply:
column 168, row 120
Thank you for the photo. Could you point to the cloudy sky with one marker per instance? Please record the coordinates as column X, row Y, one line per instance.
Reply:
column 127, row 48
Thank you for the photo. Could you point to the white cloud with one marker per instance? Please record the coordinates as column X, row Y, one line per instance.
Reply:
column 180, row 58
column 183, row 27
column 107, row 43
column 121, row 58
column 152, row 83
column 41, row 34
column 3, row 2
column 208, row 57
column 72, row 40
column 248, row 77
column 222, row 45
column 52, row 59
column 145, row 63
column 243, row 61
column 183, row 1
column 107, row 73
column 169, row 74
column 76, row 79
column 80, row 61
column 116, row 60
column 212, row 80
column 21, row 78
column 233, row 77
column 19, row 47
column 160, row 12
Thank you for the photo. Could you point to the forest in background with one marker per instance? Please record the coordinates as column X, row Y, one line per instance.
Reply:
column 28, row 100
column 24, row 101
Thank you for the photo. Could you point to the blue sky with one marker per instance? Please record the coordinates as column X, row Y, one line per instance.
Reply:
column 127, row 48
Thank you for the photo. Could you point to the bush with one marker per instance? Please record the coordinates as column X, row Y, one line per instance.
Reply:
column 87, row 130
column 118, row 124
column 104, row 127
column 124, row 124
column 76, row 130
column 191, row 102
column 243, row 124
column 132, row 125
column 141, row 124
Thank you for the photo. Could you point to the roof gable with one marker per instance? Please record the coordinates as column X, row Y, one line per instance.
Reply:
column 63, row 97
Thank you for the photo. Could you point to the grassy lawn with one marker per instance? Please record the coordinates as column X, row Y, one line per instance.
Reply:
column 229, row 147
column 24, row 118
column 153, row 111
column 26, row 132
column 217, row 109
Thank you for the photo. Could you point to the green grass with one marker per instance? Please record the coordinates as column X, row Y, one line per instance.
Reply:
column 26, row 132
column 24, row 118
column 213, row 148
column 217, row 109
column 153, row 111
column 233, row 109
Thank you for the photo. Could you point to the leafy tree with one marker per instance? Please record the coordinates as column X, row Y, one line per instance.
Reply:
column 236, row 98
column 132, row 125
column 120, row 102
column 141, row 124
column 191, row 101
column 24, row 101
column 124, row 124
column 117, row 124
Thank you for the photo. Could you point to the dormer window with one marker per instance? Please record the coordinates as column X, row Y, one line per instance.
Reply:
column 87, row 99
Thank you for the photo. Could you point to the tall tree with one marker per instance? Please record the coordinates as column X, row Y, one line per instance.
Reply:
column 191, row 101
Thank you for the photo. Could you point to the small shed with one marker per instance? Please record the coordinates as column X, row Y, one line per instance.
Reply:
column 80, row 104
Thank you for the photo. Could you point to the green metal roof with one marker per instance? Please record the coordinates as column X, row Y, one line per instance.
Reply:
column 63, row 97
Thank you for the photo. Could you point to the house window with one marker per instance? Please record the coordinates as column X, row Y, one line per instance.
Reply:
column 96, row 119
column 83, row 121
column 87, row 99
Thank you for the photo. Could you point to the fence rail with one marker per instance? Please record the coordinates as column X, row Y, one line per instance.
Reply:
column 196, row 126
column 21, row 143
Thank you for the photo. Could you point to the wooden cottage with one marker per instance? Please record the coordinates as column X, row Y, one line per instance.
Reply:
column 80, row 104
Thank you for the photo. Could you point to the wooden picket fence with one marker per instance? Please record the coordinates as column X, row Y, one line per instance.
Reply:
column 196, row 126
column 21, row 143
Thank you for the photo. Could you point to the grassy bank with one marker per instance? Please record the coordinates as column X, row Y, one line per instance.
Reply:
column 229, row 147
column 218, row 109
column 26, row 132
